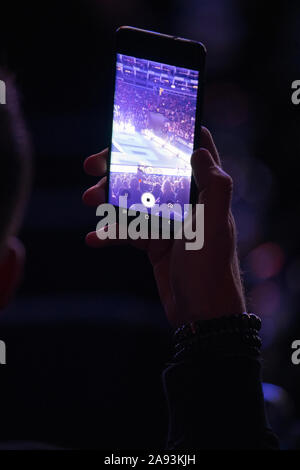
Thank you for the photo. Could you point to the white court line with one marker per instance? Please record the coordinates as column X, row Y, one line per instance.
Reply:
column 117, row 146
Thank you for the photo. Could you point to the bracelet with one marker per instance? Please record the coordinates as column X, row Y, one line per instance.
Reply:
column 228, row 335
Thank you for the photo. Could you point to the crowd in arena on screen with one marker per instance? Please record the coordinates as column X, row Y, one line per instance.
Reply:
column 165, row 189
column 134, row 105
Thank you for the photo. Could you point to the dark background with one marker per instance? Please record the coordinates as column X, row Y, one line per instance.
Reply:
column 87, row 338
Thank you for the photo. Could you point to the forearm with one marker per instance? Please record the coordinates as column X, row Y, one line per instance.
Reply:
column 216, row 402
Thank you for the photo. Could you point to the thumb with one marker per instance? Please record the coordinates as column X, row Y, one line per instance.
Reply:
column 214, row 185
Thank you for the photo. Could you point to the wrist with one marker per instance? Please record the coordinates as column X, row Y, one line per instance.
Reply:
column 219, row 309
column 226, row 301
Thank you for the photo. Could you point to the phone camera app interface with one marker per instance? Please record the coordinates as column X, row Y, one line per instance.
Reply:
column 153, row 134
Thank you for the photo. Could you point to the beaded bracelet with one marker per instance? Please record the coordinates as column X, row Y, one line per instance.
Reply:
column 228, row 335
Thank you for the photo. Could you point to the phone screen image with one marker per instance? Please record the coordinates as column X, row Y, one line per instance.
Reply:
column 152, row 135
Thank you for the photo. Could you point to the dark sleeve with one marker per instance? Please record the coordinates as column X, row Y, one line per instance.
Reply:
column 217, row 403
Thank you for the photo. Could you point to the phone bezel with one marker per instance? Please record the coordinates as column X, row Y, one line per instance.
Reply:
column 166, row 49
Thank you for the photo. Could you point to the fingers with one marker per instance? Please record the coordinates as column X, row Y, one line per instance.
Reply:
column 214, row 185
column 96, row 194
column 207, row 142
column 93, row 241
column 217, row 196
column 95, row 165
column 202, row 164
column 97, row 240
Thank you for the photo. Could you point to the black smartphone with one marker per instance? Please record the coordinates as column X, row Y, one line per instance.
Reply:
column 156, row 122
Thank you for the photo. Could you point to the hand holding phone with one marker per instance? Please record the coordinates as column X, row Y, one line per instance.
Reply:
column 156, row 108
column 193, row 285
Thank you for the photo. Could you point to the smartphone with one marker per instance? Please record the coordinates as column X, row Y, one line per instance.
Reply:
column 156, row 122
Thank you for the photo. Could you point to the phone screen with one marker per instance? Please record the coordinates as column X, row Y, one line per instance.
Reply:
column 153, row 134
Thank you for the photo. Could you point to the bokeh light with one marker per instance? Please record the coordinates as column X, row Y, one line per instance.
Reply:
column 266, row 298
column 266, row 261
